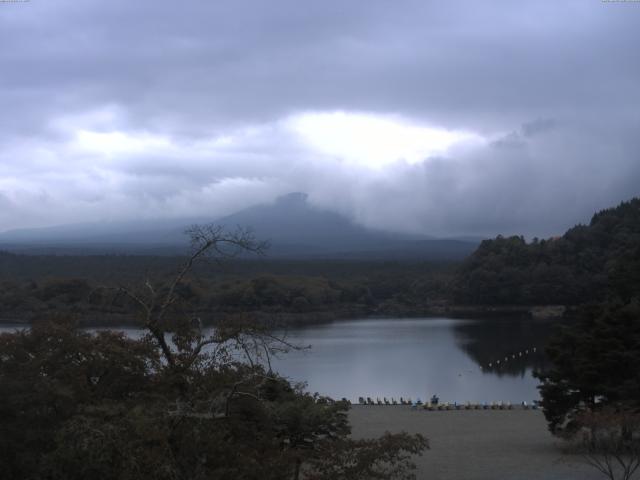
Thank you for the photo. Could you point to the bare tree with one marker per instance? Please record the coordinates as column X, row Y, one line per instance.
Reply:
column 155, row 303
column 609, row 441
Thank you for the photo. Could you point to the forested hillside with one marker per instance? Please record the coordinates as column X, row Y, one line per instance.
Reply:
column 588, row 263
column 32, row 287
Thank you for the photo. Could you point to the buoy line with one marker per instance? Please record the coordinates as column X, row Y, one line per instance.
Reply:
column 513, row 356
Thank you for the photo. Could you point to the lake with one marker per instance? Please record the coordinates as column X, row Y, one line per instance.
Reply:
column 458, row 360
column 419, row 357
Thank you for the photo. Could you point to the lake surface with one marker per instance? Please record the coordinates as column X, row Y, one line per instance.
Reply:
column 417, row 357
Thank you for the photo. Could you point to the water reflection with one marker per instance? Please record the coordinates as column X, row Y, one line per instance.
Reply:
column 419, row 357
column 506, row 346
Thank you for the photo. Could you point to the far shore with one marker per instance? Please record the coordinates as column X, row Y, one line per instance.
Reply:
column 477, row 444
column 106, row 319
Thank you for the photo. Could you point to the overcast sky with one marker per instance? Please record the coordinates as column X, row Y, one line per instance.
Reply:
column 441, row 117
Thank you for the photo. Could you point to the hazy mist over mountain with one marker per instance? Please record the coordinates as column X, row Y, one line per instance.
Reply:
column 291, row 225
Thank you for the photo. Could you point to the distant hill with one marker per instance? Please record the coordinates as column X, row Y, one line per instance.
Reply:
column 588, row 263
column 149, row 232
column 294, row 228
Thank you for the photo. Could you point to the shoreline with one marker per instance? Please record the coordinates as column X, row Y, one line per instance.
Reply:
column 280, row 319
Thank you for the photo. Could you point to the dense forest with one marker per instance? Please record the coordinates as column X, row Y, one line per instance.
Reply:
column 32, row 286
column 592, row 262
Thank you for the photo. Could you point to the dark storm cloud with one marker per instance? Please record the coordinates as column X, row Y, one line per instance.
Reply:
column 201, row 93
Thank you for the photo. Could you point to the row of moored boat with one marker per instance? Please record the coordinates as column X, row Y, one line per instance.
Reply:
column 446, row 405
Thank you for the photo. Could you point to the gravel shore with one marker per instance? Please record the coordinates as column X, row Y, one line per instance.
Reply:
column 477, row 444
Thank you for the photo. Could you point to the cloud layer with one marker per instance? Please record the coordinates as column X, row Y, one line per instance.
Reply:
column 444, row 118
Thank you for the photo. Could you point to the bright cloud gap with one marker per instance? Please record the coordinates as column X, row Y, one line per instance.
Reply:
column 375, row 141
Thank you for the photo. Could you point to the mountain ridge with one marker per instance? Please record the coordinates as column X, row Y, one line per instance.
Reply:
column 293, row 226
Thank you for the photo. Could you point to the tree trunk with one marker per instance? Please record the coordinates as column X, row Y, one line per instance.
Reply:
column 296, row 472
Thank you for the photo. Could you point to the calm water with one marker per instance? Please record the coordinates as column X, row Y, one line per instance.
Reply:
column 420, row 357
column 417, row 357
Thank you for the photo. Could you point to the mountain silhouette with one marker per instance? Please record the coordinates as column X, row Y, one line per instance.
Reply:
column 292, row 226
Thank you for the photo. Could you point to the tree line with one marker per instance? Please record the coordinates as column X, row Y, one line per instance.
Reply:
column 268, row 289
column 591, row 262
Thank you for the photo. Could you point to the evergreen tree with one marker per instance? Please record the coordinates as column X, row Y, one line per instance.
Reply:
column 595, row 365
